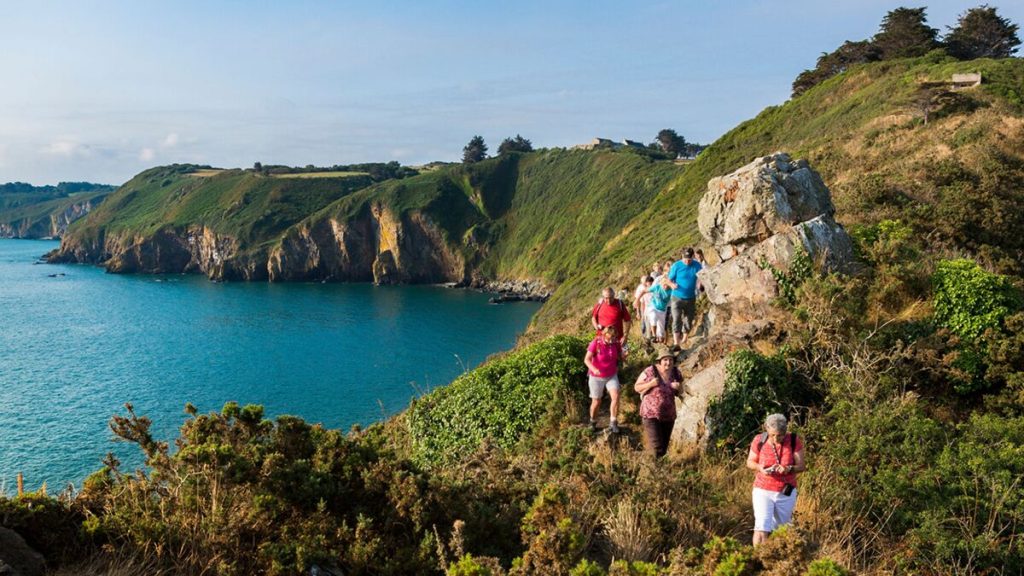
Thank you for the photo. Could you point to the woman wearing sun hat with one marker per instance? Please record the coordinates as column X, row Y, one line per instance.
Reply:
column 658, row 385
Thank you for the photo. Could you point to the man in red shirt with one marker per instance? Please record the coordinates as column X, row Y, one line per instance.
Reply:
column 611, row 311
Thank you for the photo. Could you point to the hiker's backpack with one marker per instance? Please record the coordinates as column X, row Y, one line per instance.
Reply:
column 763, row 437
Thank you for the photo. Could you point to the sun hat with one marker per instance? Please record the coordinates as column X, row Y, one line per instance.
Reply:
column 662, row 351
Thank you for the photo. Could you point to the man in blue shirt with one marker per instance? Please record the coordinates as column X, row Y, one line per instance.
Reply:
column 682, row 278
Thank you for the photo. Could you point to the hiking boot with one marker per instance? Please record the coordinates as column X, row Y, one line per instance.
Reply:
column 592, row 425
column 613, row 428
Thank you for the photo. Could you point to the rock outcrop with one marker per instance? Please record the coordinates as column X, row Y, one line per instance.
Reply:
column 17, row 558
column 759, row 221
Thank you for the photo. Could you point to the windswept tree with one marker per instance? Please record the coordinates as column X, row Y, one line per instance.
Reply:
column 475, row 151
column 905, row 33
column 832, row 63
column 670, row 142
column 981, row 33
column 517, row 144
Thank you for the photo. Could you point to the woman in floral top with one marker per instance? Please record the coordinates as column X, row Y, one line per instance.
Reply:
column 658, row 386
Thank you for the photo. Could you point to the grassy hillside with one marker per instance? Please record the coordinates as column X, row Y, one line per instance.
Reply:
column 240, row 204
column 959, row 179
column 31, row 210
column 905, row 380
column 540, row 215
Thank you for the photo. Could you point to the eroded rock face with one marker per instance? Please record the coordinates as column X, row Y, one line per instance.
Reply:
column 763, row 198
column 759, row 220
column 748, row 279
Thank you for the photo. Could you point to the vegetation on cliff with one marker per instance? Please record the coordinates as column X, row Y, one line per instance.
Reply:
column 905, row 378
column 28, row 211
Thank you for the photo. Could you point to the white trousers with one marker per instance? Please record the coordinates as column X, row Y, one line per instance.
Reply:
column 655, row 322
column 772, row 509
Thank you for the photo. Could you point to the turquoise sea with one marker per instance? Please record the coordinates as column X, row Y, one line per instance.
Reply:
column 77, row 343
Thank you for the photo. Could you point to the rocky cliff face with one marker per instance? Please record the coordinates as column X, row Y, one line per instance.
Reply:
column 379, row 245
column 759, row 219
column 52, row 225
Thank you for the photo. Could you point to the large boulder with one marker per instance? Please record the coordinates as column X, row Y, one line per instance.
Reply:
column 763, row 198
column 17, row 558
column 748, row 278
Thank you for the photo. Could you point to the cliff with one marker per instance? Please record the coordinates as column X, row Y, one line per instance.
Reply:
column 519, row 217
column 49, row 217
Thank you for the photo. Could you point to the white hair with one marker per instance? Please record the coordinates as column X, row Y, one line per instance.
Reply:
column 775, row 423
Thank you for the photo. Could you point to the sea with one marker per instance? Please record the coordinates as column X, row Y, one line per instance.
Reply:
column 77, row 344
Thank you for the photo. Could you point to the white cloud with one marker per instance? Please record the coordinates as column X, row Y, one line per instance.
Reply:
column 66, row 147
column 147, row 154
column 170, row 141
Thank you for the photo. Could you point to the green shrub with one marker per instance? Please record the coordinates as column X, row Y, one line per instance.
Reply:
column 970, row 300
column 738, row 563
column 755, row 386
column 634, row 568
column 470, row 566
column 826, row 567
column 587, row 568
column 502, row 401
column 553, row 539
column 978, row 478
column 973, row 304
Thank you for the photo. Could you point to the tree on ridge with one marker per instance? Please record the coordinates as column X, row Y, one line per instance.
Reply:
column 671, row 142
column 517, row 144
column 905, row 33
column 475, row 151
column 981, row 33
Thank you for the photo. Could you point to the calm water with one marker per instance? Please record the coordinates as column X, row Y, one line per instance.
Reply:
column 75, row 348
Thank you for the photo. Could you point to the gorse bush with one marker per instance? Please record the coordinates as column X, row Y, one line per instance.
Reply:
column 502, row 401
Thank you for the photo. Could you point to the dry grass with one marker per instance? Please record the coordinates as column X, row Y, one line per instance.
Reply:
column 205, row 173
column 304, row 175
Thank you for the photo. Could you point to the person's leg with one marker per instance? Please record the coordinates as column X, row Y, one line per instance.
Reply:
column 689, row 309
column 784, row 506
column 650, row 426
column 763, row 514
column 665, row 430
column 677, row 319
column 659, row 323
column 596, row 393
column 613, row 392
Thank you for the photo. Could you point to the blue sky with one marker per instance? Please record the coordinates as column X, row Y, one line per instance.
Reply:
column 101, row 90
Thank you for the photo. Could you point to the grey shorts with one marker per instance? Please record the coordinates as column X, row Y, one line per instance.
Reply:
column 598, row 384
column 683, row 312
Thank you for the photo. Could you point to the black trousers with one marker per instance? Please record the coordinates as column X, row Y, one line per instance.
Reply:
column 657, row 434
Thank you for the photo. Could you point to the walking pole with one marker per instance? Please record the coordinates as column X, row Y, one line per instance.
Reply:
column 21, row 484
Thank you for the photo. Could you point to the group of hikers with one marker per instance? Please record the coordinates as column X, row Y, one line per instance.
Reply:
column 665, row 300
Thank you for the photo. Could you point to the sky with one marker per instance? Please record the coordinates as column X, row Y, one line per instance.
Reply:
column 99, row 90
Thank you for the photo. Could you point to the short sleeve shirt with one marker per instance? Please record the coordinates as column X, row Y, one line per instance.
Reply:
column 685, row 277
column 605, row 357
column 660, row 402
column 613, row 313
column 767, row 457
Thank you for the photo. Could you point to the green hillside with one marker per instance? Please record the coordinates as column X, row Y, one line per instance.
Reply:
column 539, row 215
column 36, row 211
column 237, row 203
column 905, row 379
column 958, row 179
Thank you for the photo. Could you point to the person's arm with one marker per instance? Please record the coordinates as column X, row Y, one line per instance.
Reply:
column 593, row 318
column 589, row 361
column 798, row 461
column 645, row 384
column 754, row 465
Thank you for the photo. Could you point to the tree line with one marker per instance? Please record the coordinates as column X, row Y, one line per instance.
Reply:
column 904, row 33
column 668, row 144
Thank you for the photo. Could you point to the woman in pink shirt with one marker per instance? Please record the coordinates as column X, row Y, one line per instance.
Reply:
column 602, row 360
column 777, row 457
